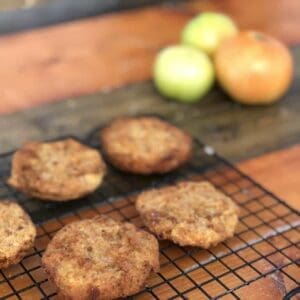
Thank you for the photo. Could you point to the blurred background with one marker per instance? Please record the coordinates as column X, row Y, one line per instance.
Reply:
column 68, row 65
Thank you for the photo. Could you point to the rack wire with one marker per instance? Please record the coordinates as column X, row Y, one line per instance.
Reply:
column 265, row 249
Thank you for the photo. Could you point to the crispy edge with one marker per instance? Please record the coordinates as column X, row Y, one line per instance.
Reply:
column 93, row 293
column 12, row 260
column 26, row 152
column 174, row 160
column 151, row 218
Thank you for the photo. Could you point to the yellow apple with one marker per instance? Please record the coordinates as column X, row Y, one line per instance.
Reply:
column 183, row 73
column 208, row 30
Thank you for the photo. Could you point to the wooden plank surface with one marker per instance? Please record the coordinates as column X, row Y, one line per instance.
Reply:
column 83, row 57
column 279, row 172
column 103, row 52
column 235, row 131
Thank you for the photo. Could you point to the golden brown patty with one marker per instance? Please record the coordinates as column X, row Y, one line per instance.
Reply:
column 57, row 171
column 100, row 258
column 145, row 145
column 189, row 213
column 17, row 233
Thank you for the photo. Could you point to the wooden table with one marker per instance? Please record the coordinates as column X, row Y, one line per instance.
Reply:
column 102, row 66
column 99, row 54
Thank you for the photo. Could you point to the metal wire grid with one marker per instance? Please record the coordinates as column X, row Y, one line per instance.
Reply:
column 266, row 242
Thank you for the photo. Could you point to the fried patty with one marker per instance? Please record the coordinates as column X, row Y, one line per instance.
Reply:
column 189, row 213
column 17, row 233
column 100, row 258
column 57, row 171
column 145, row 145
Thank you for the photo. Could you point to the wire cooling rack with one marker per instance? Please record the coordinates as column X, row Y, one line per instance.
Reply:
column 264, row 251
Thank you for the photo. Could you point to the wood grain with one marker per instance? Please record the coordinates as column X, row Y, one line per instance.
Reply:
column 279, row 172
column 100, row 53
column 83, row 57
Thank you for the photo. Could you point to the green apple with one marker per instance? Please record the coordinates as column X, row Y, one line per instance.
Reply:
column 183, row 73
column 208, row 30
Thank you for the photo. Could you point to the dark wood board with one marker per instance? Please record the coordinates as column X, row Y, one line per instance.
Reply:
column 237, row 132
